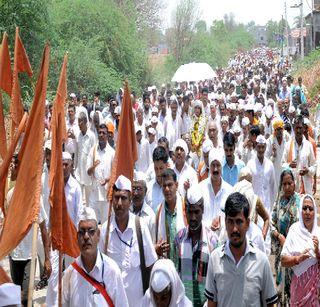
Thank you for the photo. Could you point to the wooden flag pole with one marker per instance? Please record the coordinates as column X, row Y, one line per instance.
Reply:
column 60, row 281
column 35, row 226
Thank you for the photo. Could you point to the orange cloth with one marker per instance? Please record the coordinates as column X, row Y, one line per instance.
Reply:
column 204, row 175
column 63, row 231
column 21, row 64
column 110, row 127
column 4, row 278
column 7, row 160
column 24, row 206
column 126, row 150
column 6, row 85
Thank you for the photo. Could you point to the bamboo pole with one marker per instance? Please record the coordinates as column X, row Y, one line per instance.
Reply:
column 33, row 262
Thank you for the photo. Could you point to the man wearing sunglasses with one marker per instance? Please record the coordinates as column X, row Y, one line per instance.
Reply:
column 93, row 279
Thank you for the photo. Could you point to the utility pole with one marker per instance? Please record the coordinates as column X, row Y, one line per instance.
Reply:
column 301, row 29
column 287, row 29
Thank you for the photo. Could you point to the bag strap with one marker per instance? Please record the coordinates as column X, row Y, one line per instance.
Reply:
column 94, row 283
column 144, row 275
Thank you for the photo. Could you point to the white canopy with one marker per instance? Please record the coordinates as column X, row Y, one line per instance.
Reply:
column 193, row 72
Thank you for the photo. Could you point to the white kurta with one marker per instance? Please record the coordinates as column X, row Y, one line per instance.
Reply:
column 213, row 203
column 187, row 174
column 263, row 181
column 76, row 291
column 172, row 129
column 305, row 158
column 128, row 258
column 142, row 163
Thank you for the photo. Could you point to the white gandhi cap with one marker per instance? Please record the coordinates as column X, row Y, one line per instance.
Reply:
column 123, row 183
column 160, row 281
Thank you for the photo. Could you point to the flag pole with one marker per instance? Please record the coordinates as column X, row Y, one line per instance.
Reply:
column 60, row 281
column 33, row 262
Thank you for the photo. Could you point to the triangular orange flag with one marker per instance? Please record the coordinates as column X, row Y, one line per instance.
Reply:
column 5, row 66
column 20, row 64
column 126, row 149
column 23, row 209
column 6, row 85
column 63, row 231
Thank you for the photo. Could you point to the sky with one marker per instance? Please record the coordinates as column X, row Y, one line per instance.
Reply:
column 244, row 11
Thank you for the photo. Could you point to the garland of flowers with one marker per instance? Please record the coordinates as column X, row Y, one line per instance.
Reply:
column 197, row 133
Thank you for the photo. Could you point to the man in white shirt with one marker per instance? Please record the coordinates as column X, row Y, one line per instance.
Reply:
column 142, row 163
column 85, row 141
column 298, row 154
column 186, row 175
column 93, row 279
column 123, row 246
column 154, row 188
column 139, row 206
column 99, row 166
column 263, row 175
column 215, row 191
column 72, row 129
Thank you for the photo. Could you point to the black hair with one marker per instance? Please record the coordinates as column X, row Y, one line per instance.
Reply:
column 163, row 139
column 235, row 204
column 103, row 126
column 229, row 139
column 205, row 90
column 185, row 98
column 162, row 99
column 97, row 94
column 169, row 173
column 304, row 112
column 288, row 127
column 160, row 154
column 255, row 130
column 286, row 172
column 298, row 120
column 72, row 106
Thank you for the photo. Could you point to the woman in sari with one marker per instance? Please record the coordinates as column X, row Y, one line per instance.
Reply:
column 285, row 212
column 301, row 253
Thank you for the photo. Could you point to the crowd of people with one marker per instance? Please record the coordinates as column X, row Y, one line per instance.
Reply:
column 224, row 182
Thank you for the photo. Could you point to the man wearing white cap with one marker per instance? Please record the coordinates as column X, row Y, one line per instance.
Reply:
column 186, row 115
column 140, row 122
column 72, row 129
column 268, row 129
column 186, row 175
column 152, row 143
column 99, row 165
column 93, row 279
column 195, row 244
column 123, row 244
column 157, row 126
column 263, row 175
column 203, row 168
column 142, row 163
column 213, row 134
column 166, row 288
column 85, row 141
column 139, row 206
column 214, row 190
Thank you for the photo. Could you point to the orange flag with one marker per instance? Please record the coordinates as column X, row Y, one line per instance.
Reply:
column 6, row 85
column 4, row 169
column 5, row 66
column 21, row 64
column 126, row 150
column 63, row 231
column 23, row 209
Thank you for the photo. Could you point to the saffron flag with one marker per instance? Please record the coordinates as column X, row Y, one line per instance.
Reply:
column 6, row 85
column 23, row 209
column 63, row 231
column 20, row 64
column 126, row 150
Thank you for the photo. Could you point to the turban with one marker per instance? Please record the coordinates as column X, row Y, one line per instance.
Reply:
column 277, row 123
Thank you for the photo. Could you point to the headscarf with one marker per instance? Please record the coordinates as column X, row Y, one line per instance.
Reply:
column 178, row 297
column 299, row 239
column 277, row 123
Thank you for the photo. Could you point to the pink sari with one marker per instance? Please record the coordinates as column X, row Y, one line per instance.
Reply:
column 305, row 288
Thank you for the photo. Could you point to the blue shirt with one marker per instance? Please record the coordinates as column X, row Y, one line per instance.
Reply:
column 231, row 175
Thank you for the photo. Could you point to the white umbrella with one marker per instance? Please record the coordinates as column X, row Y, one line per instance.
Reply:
column 193, row 72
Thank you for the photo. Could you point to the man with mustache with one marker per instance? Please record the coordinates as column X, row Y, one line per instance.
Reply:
column 195, row 244
column 87, row 281
column 238, row 273
column 123, row 246
column 215, row 191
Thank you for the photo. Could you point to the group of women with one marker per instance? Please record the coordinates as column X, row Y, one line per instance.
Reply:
column 295, row 244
